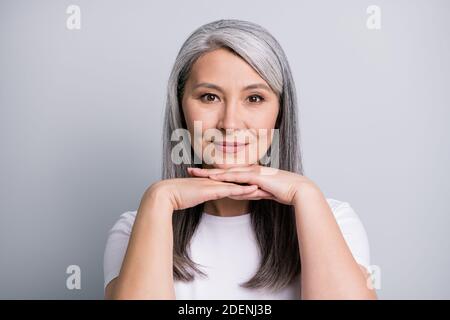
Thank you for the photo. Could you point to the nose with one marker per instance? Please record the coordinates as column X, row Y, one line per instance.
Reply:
column 231, row 117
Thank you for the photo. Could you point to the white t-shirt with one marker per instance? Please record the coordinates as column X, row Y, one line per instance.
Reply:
column 227, row 251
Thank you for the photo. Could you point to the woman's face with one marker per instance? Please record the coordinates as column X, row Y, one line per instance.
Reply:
column 236, row 107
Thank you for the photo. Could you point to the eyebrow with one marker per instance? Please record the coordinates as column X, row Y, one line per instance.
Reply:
column 251, row 86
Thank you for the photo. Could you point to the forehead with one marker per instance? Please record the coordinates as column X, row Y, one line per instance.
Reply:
column 222, row 66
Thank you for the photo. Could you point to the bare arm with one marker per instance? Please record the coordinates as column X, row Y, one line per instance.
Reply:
column 149, row 275
column 329, row 270
column 147, row 267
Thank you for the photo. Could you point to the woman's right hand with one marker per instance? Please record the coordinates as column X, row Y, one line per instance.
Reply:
column 182, row 193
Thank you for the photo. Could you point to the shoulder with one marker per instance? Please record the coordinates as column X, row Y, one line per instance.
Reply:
column 342, row 210
column 116, row 245
column 345, row 215
column 336, row 204
column 352, row 229
column 124, row 223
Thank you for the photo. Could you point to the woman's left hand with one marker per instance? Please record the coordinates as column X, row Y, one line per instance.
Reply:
column 279, row 185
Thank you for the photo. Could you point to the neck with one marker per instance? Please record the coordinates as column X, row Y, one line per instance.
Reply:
column 226, row 207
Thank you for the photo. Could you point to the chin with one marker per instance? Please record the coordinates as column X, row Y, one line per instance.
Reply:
column 230, row 165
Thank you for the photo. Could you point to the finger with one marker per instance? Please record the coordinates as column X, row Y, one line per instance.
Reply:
column 226, row 190
column 227, row 183
column 259, row 193
column 248, row 177
column 200, row 172
column 190, row 171
column 250, row 198
column 206, row 171
column 256, row 195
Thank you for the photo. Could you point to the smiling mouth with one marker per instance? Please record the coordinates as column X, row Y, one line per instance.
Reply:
column 230, row 144
column 230, row 147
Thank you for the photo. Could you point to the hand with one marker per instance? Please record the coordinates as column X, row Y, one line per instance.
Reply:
column 182, row 193
column 279, row 185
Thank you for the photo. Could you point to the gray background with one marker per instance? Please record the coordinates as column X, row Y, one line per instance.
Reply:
column 81, row 119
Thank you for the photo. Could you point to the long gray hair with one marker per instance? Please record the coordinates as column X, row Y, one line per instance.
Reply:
column 273, row 223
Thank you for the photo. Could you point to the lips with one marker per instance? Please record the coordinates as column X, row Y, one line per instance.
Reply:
column 230, row 147
column 229, row 144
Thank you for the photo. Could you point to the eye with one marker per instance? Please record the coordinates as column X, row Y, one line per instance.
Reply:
column 255, row 98
column 209, row 97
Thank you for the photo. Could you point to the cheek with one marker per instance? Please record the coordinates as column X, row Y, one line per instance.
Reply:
column 193, row 111
column 265, row 123
column 273, row 115
column 198, row 122
column 264, row 119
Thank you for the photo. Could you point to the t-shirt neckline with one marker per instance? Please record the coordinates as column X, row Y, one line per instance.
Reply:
column 211, row 218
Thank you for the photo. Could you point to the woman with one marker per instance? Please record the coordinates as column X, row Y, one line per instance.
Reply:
column 234, row 225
